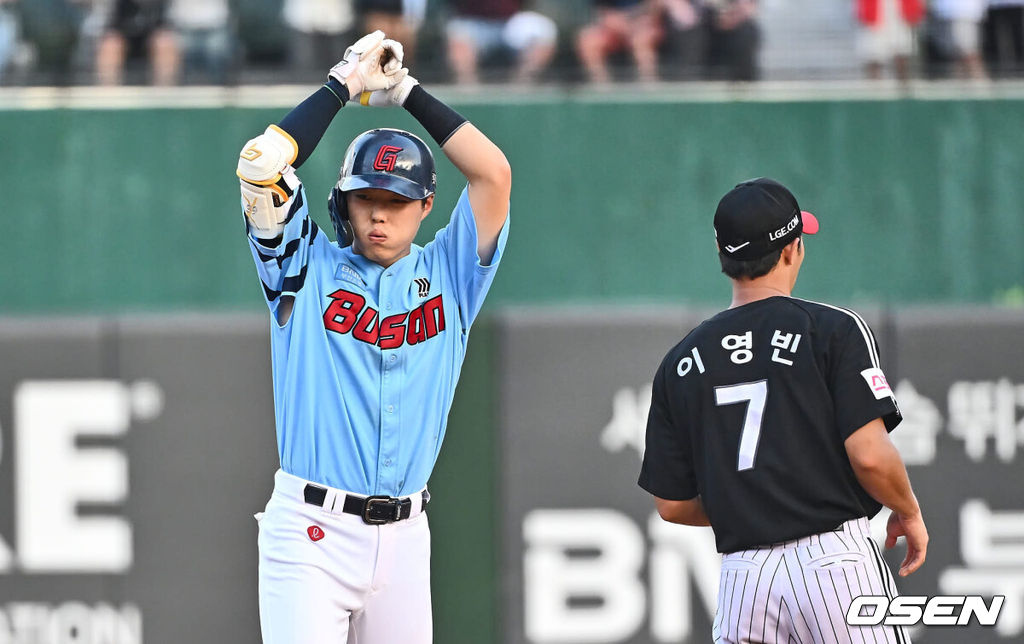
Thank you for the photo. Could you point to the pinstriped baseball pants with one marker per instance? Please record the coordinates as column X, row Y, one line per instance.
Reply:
column 799, row 591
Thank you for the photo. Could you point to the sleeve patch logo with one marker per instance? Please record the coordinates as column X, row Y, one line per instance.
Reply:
column 387, row 156
column 876, row 380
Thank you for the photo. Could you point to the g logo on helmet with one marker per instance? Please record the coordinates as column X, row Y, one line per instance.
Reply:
column 386, row 158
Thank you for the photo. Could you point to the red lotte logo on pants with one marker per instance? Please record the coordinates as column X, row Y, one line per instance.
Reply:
column 315, row 532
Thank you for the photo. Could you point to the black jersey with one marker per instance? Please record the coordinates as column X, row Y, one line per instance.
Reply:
column 751, row 410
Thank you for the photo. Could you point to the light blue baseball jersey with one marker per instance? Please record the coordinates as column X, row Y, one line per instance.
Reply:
column 366, row 366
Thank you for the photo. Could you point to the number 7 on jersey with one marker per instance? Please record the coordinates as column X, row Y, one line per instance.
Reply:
column 754, row 393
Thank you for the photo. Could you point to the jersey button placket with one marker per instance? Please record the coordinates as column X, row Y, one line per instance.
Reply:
column 389, row 436
column 389, row 429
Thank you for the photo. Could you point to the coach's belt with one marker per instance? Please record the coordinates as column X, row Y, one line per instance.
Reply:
column 374, row 510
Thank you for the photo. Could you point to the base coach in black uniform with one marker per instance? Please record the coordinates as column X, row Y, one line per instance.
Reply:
column 769, row 422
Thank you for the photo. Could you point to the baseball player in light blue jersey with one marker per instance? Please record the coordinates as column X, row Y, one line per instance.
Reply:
column 368, row 338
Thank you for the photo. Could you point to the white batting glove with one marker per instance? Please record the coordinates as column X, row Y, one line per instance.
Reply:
column 370, row 62
column 394, row 53
column 394, row 97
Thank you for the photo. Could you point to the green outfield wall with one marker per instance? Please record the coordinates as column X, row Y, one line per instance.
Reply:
column 920, row 200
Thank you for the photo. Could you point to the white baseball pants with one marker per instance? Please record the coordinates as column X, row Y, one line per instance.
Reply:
column 327, row 577
column 799, row 591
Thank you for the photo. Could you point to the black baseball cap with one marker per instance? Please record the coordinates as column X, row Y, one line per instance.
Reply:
column 757, row 217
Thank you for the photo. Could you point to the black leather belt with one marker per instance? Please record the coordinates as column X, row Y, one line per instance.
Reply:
column 374, row 510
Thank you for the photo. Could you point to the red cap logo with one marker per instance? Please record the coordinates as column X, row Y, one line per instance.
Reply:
column 315, row 532
column 386, row 158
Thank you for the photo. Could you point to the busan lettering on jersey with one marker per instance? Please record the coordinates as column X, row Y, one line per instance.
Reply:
column 348, row 313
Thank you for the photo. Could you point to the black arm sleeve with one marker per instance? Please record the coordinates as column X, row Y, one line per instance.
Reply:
column 310, row 118
column 439, row 120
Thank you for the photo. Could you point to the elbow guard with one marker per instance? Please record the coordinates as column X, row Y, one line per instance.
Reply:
column 266, row 206
column 267, row 180
column 263, row 159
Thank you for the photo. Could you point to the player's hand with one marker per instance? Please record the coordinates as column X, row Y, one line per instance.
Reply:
column 394, row 97
column 369, row 65
column 912, row 527
column 394, row 54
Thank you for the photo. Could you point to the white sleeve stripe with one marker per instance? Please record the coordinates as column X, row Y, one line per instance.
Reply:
column 868, row 337
column 865, row 331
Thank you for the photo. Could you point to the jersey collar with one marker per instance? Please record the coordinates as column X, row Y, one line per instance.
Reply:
column 370, row 270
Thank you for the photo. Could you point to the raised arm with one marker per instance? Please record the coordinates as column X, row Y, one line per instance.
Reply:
column 490, row 183
column 481, row 161
column 267, row 163
column 880, row 470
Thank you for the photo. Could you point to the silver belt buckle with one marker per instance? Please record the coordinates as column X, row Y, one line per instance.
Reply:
column 372, row 501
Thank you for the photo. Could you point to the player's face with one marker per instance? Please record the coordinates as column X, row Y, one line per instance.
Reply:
column 384, row 223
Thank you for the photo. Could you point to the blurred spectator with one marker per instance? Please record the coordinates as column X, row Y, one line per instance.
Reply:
column 682, row 50
column 320, row 33
column 1004, row 37
column 8, row 35
column 205, row 38
column 138, row 30
column 887, row 34
column 264, row 45
column 51, row 29
column 621, row 25
column 734, row 39
column 485, row 28
column 955, row 33
column 399, row 19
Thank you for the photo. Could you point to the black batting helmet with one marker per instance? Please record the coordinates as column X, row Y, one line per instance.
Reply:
column 387, row 159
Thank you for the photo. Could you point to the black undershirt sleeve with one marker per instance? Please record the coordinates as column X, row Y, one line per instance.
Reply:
column 309, row 120
column 439, row 120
